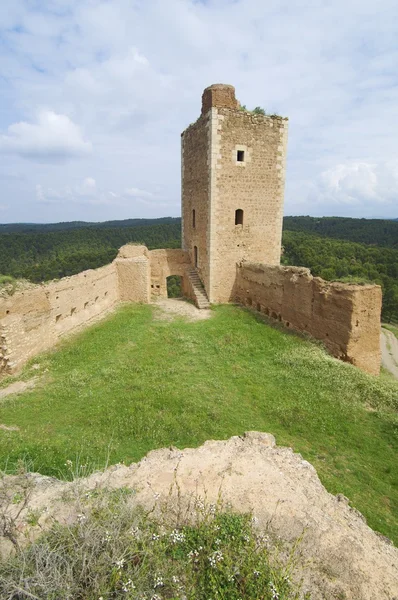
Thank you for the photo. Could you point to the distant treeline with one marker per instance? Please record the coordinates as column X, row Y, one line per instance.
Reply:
column 346, row 261
column 333, row 248
column 43, row 256
column 46, row 227
column 378, row 232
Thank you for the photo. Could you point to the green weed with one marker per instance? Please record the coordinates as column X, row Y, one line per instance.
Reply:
column 116, row 550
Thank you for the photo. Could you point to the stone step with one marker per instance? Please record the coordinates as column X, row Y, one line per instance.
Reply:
column 201, row 299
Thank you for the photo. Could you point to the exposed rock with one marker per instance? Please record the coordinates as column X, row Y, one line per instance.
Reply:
column 340, row 556
column 17, row 387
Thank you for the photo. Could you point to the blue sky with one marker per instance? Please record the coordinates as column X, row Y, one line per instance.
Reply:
column 95, row 93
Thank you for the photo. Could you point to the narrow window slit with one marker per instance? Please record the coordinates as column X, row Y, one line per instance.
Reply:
column 239, row 217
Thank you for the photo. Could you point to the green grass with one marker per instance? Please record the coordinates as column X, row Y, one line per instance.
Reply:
column 133, row 383
column 117, row 550
column 393, row 328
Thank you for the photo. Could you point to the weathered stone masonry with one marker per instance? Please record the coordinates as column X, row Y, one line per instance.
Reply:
column 232, row 160
column 34, row 320
column 233, row 173
column 345, row 317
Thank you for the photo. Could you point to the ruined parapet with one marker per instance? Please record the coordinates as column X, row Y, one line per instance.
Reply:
column 219, row 95
column 134, row 279
column 166, row 262
column 345, row 317
column 33, row 320
column 133, row 274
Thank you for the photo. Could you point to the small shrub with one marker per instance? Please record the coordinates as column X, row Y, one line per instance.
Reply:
column 116, row 550
column 259, row 111
column 8, row 284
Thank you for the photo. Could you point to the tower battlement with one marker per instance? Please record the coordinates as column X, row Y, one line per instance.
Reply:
column 219, row 95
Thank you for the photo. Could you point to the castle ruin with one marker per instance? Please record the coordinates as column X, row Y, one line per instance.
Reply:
column 233, row 175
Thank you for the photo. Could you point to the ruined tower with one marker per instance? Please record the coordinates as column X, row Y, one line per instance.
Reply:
column 233, row 174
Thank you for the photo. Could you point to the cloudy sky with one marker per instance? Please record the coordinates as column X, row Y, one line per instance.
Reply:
column 94, row 95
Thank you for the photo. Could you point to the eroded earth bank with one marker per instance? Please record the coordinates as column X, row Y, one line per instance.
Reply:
column 339, row 555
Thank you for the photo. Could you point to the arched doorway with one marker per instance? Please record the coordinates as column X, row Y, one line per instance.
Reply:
column 174, row 286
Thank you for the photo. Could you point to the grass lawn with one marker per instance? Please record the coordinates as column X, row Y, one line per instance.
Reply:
column 133, row 383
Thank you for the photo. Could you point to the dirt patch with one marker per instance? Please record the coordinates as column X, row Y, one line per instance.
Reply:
column 8, row 428
column 389, row 351
column 17, row 388
column 172, row 308
column 340, row 556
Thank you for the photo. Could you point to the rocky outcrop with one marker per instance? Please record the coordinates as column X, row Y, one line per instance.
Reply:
column 340, row 556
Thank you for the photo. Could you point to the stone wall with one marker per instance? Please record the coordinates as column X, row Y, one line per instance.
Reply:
column 33, row 320
column 345, row 317
column 164, row 263
column 134, row 274
column 254, row 185
column 232, row 160
column 195, row 183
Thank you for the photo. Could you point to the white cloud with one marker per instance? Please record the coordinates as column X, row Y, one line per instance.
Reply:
column 53, row 136
column 369, row 189
column 83, row 193
column 137, row 193
column 130, row 76
column 89, row 187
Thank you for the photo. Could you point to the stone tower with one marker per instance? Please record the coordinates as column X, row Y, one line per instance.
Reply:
column 233, row 175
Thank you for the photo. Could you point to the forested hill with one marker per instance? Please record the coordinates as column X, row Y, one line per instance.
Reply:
column 379, row 232
column 50, row 255
column 46, row 227
column 333, row 248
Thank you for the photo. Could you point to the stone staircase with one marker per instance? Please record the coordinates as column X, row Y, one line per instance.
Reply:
column 201, row 299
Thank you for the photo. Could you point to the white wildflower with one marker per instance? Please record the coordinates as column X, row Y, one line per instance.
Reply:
column 128, row 585
column 274, row 591
column 215, row 558
column 193, row 556
column 107, row 537
column 199, row 504
column 177, row 536
column 155, row 537
column 120, row 563
column 158, row 581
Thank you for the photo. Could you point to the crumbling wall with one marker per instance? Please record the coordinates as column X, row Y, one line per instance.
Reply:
column 165, row 263
column 34, row 319
column 345, row 317
column 133, row 269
